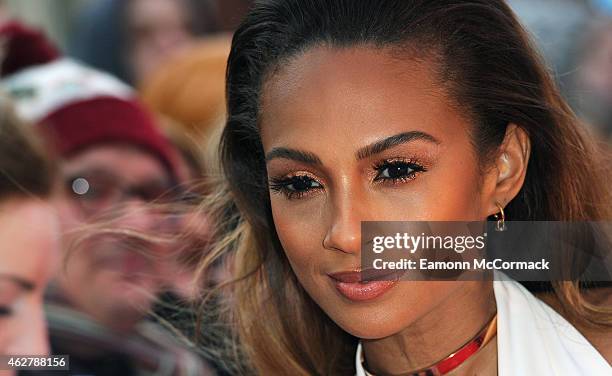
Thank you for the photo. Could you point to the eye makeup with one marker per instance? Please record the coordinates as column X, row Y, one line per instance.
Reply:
column 389, row 171
column 295, row 186
column 397, row 170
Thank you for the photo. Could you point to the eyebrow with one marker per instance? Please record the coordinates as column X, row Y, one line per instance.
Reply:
column 24, row 284
column 392, row 141
column 293, row 154
column 365, row 152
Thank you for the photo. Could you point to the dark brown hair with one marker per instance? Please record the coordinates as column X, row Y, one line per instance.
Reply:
column 486, row 62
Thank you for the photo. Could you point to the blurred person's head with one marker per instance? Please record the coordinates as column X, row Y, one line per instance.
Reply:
column 29, row 236
column 190, row 87
column 155, row 30
column 114, row 163
column 130, row 38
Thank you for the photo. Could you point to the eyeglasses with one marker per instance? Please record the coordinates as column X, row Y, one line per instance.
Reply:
column 101, row 191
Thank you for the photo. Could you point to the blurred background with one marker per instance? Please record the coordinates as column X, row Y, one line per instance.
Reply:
column 99, row 32
column 130, row 38
column 156, row 70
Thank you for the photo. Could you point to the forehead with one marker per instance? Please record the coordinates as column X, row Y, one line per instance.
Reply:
column 124, row 161
column 355, row 94
column 144, row 12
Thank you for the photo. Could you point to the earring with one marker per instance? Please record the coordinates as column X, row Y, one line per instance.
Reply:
column 501, row 218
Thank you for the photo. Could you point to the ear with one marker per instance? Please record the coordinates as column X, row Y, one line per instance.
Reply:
column 510, row 167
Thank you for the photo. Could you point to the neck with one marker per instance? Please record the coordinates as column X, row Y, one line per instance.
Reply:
column 436, row 334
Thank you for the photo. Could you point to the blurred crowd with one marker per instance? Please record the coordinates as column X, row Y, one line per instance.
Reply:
column 108, row 140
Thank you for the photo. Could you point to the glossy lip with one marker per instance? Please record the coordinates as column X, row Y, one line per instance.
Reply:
column 359, row 286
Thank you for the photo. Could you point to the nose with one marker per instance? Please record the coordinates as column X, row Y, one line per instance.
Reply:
column 139, row 215
column 344, row 231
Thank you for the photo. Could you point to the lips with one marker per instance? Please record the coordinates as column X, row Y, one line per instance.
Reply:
column 364, row 285
column 367, row 275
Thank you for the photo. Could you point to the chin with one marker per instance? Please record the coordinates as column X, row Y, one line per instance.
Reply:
column 369, row 321
column 370, row 328
column 380, row 317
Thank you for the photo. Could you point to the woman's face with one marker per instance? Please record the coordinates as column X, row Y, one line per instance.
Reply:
column 29, row 255
column 157, row 28
column 324, row 119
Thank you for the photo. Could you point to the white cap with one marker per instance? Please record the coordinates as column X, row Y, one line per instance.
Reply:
column 40, row 90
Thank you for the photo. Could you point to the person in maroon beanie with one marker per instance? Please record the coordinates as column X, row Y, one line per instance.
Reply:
column 114, row 163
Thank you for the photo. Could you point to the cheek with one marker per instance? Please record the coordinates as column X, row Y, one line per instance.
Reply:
column 451, row 190
column 70, row 215
column 25, row 332
column 300, row 230
column 406, row 303
column 5, row 332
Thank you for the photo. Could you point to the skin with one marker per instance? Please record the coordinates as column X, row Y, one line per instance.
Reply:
column 29, row 256
column 111, row 285
column 332, row 104
column 181, row 272
column 159, row 29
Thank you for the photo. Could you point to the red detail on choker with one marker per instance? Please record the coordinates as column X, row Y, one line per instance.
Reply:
column 457, row 358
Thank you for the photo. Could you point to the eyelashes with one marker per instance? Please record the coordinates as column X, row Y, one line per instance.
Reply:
column 397, row 170
column 389, row 171
column 295, row 186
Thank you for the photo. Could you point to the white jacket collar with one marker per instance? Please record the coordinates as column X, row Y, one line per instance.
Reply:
column 533, row 339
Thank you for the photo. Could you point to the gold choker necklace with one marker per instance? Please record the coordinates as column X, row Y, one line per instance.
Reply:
column 458, row 357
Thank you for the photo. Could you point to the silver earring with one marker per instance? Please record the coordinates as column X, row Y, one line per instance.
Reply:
column 501, row 218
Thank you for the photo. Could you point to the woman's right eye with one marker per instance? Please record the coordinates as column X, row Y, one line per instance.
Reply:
column 5, row 311
column 294, row 186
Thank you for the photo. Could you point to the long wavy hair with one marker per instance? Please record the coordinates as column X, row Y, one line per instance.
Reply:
column 487, row 64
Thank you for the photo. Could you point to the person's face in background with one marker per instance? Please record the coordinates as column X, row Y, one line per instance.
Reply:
column 29, row 257
column 157, row 28
column 113, row 279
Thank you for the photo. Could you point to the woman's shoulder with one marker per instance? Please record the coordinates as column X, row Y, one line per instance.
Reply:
column 534, row 336
column 599, row 336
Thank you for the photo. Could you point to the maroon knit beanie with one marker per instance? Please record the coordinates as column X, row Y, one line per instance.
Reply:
column 75, row 106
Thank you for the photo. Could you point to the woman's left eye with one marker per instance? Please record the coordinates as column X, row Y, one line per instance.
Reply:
column 397, row 171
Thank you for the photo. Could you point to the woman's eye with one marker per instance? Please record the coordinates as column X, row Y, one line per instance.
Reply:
column 294, row 187
column 5, row 311
column 397, row 171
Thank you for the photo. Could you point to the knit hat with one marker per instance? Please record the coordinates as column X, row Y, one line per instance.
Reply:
column 76, row 107
column 24, row 47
